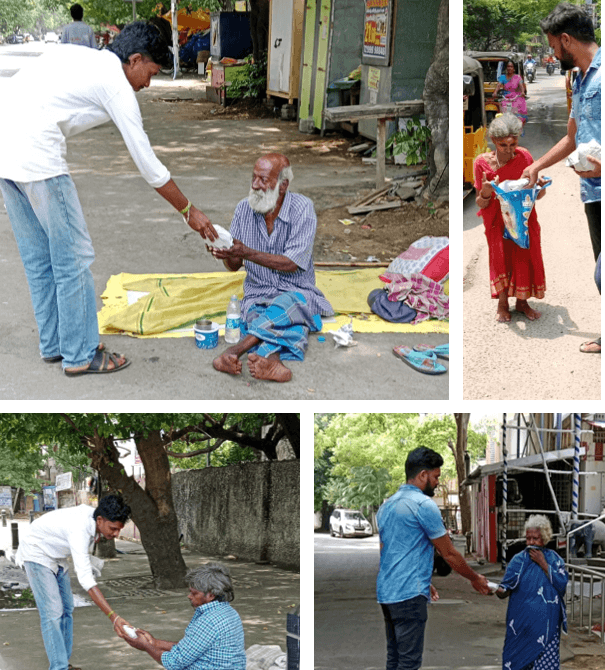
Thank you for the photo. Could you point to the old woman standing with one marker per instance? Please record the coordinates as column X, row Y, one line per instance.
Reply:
column 535, row 580
column 514, row 272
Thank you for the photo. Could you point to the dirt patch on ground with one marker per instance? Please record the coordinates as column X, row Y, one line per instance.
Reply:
column 585, row 663
column 383, row 235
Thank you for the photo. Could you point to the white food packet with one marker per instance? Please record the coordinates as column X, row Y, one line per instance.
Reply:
column 513, row 184
column 224, row 241
column 492, row 586
column 131, row 632
column 577, row 159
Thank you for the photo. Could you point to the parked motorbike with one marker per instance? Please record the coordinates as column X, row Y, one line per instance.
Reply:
column 530, row 72
column 550, row 68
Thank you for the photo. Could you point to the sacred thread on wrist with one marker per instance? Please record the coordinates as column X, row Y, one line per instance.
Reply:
column 186, row 209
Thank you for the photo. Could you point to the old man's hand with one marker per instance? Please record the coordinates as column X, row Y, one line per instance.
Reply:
column 235, row 252
column 201, row 224
column 594, row 173
column 142, row 641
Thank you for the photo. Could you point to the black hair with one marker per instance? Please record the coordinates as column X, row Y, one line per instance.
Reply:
column 570, row 19
column 77, row 12
column 112, row 508
column 142, row 38
column 421, row 459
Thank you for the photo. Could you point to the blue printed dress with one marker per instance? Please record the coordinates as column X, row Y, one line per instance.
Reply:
column 536, row 612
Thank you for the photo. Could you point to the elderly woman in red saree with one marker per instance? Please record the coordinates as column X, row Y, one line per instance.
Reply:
column 514, row 272
column 514, row 99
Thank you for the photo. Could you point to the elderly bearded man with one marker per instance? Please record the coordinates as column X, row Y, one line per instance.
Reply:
column 273, row 231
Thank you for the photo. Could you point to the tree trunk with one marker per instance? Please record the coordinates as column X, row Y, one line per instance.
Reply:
column 291, row 425
column 152, row 507
column 436, row 97
column 459, row 452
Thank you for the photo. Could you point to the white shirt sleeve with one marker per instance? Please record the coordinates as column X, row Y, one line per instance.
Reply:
column 79, row 543
column 124, row 111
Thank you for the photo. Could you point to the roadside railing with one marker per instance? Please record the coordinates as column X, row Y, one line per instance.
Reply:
column 582, row 575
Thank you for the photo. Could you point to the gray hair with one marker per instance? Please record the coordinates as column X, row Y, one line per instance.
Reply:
column 285, row 173
column 212, row 578
column 541, row 523
column 504, row 126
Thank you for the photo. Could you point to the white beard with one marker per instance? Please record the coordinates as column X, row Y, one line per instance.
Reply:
column 263, row 201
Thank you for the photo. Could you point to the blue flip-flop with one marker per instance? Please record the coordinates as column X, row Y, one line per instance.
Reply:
column 441, row 350
column 425, row 363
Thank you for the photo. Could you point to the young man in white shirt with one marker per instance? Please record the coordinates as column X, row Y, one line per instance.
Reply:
column 69, row 91
column 43, row 552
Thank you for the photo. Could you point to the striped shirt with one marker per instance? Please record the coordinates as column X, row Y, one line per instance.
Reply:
column 214, row 640
column 293, row 236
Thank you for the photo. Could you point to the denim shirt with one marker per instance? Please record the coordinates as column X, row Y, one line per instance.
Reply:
column 407, row 523
column 586, row 110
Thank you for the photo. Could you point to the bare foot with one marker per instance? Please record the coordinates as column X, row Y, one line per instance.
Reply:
column 228, row 363
column 270, row 369
column 523, row 307
column 503, row 314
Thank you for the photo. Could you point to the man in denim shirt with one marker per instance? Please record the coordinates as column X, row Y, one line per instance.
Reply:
column 410, row 526
column 571, row 35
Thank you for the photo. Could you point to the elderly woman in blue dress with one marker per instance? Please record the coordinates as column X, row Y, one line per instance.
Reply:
column 535, row 580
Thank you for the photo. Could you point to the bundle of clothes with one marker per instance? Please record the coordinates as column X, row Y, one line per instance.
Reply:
column 416, row 284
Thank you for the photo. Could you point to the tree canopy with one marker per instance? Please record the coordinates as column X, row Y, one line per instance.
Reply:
column 493, row 25
column 360, row 458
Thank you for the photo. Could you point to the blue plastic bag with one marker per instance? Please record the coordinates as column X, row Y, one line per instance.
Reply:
column 516, row 207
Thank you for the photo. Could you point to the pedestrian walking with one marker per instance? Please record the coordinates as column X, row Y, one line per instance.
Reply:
column 78, row 32
column 535, row 580
column 571, row 36
column 411, row 528
column 43, row 553
column 69, row 91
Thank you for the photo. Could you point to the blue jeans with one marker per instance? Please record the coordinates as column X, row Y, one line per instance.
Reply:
column 55, row 606
column 57, row 253
column 405, row 623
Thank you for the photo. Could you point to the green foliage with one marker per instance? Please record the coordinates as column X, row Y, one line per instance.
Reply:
column 21, row 472
column 494, row 25
column 360, row 458
column 412, row 141
column 249, row 81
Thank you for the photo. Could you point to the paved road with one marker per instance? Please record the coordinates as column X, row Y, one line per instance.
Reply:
column 134, row 230
column 522, row 359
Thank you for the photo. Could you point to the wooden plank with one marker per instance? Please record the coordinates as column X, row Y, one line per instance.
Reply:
column 371, row 208
column 383, row 111
column 372, row 196
column 381, row 138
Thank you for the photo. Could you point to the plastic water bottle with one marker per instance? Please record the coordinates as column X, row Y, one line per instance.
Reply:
column 232, row 327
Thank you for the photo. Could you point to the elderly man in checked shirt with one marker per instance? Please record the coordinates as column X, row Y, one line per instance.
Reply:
column 273, row 231
column 214, row 640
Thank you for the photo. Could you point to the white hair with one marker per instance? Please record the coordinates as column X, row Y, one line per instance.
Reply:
column 506, row 125
column 541, row 523
column 286, row 174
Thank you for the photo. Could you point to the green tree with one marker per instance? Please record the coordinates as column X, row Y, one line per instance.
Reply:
column 96, row 436
column 21, row 472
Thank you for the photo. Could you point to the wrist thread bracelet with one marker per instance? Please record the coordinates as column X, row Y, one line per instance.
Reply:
column 110, row 613
column 186, row 209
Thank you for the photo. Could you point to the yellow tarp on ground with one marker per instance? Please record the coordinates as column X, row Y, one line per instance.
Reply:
column 177, row 301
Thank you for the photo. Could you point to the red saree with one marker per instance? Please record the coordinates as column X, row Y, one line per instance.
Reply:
column 519, row 271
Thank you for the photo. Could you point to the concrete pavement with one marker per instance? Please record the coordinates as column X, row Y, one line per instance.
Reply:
column 134, row 230
column 465, row 630
column 263, row 596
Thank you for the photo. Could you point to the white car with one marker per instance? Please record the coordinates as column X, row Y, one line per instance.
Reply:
column 51, row 37
column 349, row 522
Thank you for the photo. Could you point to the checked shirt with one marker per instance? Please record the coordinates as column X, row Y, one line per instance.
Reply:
column 214, row 640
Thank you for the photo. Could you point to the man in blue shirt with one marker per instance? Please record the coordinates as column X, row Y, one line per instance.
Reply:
column 214, row 640
column 411, row 527
column 571, row 35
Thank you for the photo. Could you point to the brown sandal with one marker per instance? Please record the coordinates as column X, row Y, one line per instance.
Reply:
column 100, row 365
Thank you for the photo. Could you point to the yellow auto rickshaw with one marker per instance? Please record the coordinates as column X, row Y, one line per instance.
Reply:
column 570, row 77
column 494, row 66
column 475, row 120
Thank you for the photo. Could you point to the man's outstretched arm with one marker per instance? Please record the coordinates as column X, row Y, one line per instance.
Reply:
column 454, row 558
column 561, row 150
